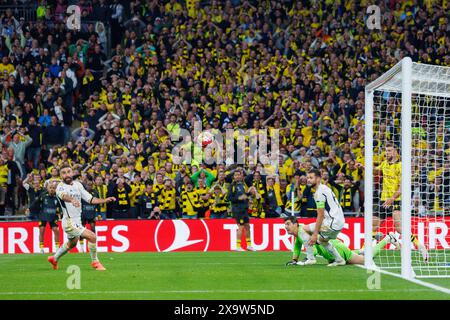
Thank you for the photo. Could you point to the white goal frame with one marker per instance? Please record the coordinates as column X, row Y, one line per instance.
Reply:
column 399, row 79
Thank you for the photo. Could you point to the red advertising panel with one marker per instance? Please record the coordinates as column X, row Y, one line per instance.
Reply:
column 200, row 235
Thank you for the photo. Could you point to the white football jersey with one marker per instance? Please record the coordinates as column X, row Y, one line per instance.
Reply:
column 77, row 191
column 334, row 215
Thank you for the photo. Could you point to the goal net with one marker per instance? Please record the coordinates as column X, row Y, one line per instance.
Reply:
column 407, row 170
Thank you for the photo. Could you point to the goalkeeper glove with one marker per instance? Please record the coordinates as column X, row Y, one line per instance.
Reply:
column 293, row 262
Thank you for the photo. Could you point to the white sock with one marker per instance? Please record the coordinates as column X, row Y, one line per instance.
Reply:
column 61, row 251
column 332, row 250
column 309, row 249
column 93, row 251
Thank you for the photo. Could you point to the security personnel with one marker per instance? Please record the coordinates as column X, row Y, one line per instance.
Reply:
column 49, row 212
column 237, row 194
column 190, row 202
column 147, row 203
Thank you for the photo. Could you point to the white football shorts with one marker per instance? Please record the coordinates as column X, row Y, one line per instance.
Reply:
column 72, row 229
column 325, row 231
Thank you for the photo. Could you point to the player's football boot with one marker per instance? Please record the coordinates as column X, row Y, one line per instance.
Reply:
column 53, row 261
column 337, row 263
column 250, row 248
column 307, row 262
column 239, row 249
column 394, row 240
column 98, row 266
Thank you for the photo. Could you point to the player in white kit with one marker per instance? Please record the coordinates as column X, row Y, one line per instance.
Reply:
column 330, row 221
column 69, row 194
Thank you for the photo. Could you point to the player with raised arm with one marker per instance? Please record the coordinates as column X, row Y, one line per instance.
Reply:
column 330, row 221
column 69, row 194
column 390, row 199
column 351, row 257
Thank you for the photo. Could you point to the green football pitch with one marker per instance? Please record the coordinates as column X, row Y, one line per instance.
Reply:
column 198, row 275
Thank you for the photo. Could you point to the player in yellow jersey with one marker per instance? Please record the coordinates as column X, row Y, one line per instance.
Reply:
column 390, row 198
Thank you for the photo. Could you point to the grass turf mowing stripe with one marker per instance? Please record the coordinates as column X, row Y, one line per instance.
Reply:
column 198, row 275
column 213, row 291
column 416, row 281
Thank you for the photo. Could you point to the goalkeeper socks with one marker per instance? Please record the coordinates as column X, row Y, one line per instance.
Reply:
column 309, row 249
column 380, row 245
column 249, row 242
column 61, row 251
column 93, row 251
column 238, row 243
column 41, row 245
column 332, row 250
column 57, row 244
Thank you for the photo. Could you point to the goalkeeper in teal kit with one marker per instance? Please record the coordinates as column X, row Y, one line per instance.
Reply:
column 351, row 257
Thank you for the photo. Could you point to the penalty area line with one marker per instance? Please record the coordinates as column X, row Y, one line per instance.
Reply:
column 416, row 281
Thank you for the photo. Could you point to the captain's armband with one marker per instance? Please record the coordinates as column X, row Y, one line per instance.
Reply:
column 320, row 204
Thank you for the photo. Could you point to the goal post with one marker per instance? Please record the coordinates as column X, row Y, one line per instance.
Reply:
column 408, row 110
column 406, row 65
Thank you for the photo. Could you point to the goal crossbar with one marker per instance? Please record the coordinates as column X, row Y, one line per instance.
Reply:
column 426, row 79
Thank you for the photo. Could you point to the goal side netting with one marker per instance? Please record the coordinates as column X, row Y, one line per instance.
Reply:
column 407, row 170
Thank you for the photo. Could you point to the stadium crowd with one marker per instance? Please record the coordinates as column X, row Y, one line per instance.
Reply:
column 296, row 66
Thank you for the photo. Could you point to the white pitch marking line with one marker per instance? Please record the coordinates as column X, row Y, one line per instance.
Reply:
column 211, row 291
